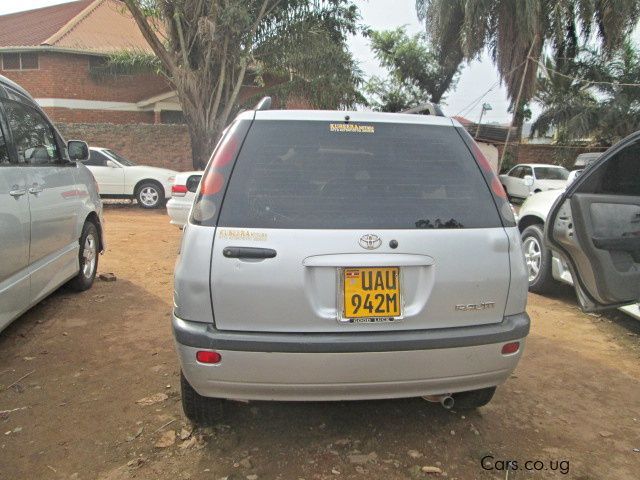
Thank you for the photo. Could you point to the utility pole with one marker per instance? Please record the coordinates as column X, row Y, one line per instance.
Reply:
column 485, row 107
column 517, row 104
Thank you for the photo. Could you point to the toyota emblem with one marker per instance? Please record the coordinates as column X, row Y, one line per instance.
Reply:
column 370, row 241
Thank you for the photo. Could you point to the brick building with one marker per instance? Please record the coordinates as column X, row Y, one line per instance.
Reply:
column 56, row 53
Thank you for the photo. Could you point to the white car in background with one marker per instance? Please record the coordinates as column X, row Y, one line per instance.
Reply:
column 528, row 178
column 183, row 192
column 545, row 267
column 119, row 177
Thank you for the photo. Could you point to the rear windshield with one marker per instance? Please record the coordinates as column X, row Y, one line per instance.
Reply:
column 550, row 173
column 318, row 175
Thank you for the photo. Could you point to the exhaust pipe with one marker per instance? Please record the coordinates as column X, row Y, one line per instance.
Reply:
column 446, row 400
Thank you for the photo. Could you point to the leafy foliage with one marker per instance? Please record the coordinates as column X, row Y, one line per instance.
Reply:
column 512, row 28
column 391, row 95
column 222, row 54
column 581, row 109
column 416, row 76
column 128, row 63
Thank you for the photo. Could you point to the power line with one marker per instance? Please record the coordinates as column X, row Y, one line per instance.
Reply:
column 589, row 82
column 470, row 107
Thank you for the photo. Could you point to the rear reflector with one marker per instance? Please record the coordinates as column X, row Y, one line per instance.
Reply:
column 207, row 356
column 179, row 190
column 511, row 347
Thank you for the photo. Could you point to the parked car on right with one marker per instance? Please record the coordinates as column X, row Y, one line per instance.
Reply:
column 546, row 265
column 527, row 178
column 183, row 193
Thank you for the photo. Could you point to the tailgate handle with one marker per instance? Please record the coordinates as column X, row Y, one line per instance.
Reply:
column 248, row 252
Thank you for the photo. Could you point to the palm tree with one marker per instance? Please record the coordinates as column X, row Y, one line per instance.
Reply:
column 591, row 97
column 513, row 29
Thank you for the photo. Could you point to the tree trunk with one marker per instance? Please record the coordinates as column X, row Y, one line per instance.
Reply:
column 203, row 137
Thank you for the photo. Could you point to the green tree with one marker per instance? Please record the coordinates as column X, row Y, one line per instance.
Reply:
column 514, row 29
column 591, row 97
column 415, row 75
column 210, row 50
column 391, row 95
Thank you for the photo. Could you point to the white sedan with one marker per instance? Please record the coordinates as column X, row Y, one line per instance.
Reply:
column 183, row 193
column 528, row 178
column 546, row 267
column 119, row 177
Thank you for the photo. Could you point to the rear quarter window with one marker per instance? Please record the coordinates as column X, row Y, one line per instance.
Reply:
column 303, row 175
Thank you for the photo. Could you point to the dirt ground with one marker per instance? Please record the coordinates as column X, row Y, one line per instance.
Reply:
column 86, row 360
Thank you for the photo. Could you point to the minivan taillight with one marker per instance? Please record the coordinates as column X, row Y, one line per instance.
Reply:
column 496, row 186
column 178, row 190
column 492, row 179
column 213, row 184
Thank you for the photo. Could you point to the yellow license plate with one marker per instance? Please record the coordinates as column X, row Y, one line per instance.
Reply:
column 371, row 292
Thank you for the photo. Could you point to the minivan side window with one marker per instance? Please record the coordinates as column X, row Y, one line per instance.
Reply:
column 33, row 136
column 307, row 174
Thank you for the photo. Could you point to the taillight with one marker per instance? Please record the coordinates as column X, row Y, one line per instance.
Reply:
column 178, row 190
column 212, row 186
column 481, row 159
column 496, row 187
column 212, row 183
column 497, row 191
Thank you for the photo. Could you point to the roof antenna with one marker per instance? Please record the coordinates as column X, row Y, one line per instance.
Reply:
column 264, row 104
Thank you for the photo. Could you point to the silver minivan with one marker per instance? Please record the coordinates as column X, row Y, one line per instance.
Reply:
column 347, row 255
column 50, row 211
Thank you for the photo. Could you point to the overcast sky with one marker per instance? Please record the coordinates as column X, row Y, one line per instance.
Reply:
column 476, row 78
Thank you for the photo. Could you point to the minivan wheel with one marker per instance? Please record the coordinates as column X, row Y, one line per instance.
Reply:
column 149, row 195
column 200, row 410
column 537, row 259
column 88, row 257
column 473, row 398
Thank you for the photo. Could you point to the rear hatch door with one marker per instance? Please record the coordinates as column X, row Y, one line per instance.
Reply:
column 329, row 226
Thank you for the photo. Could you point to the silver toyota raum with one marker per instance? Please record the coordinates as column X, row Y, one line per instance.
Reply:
column 337, row 255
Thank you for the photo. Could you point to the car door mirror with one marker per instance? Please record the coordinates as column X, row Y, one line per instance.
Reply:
column 595, row 226
column 111, row 164
column 528, row 180
column 78, row 150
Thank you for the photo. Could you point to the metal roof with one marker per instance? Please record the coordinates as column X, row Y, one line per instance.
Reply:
column 85, row 26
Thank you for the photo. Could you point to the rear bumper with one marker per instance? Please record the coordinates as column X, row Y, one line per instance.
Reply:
column 178, row 211
column 257, row 366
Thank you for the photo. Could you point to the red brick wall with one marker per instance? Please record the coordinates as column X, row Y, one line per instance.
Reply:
column 64, row 75
column 165, row 146
column 70, row 115
column 544, row 153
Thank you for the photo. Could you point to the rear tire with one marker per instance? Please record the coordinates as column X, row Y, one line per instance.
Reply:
column 200, row 410
column 150, row 195
column 473, row 398
column 538, row 260
column 88, row 256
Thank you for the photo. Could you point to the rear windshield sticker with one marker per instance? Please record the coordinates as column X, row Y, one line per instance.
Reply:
column 351, row 128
